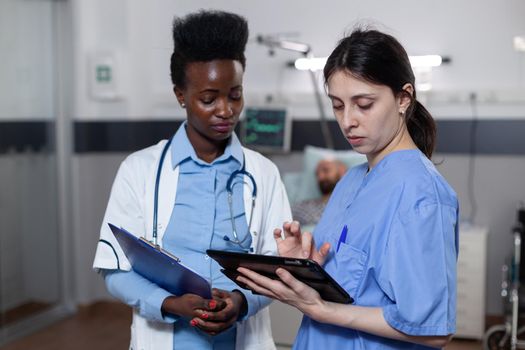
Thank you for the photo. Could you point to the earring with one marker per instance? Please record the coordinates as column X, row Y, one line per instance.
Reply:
column 402, row 112
column 183, row 105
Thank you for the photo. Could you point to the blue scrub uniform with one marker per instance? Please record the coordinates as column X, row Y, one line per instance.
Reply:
column 399, row 254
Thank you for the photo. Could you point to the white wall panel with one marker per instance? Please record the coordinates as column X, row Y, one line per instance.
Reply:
column 92, row 179
column 28, row 240
column 480, row 45
column 26, row 84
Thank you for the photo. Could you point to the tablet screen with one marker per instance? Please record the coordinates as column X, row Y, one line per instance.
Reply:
column 307, row 271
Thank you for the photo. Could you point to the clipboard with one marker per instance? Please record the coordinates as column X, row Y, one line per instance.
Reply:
column 159, row 266
column 305, row 270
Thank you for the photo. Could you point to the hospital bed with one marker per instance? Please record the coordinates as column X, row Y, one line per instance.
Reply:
column 302, row 185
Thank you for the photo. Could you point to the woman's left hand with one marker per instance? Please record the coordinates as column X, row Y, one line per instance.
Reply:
column 214, row 323
column 287, row 289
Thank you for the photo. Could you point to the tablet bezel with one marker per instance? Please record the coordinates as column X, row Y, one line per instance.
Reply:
column 306, row 270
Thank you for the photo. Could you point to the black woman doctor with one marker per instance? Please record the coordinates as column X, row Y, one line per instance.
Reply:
column 212, row 193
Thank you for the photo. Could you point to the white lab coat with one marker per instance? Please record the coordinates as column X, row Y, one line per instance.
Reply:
column 131, row 206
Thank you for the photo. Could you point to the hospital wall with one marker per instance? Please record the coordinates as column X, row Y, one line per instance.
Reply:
column 483, row 63
column 27, row 272
column 28, row 191
column 136, row 35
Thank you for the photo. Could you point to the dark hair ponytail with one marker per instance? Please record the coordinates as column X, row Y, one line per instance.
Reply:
column 380, row 59
column 421, row 127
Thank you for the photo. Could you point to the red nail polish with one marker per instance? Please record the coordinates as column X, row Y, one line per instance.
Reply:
column 205, row 316
column 193, row 323
column 212, row 304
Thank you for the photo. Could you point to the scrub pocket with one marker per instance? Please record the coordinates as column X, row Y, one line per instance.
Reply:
column 350, row 264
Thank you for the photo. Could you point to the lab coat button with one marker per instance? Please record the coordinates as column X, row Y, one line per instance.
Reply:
column 206, row 257
column 255, row 233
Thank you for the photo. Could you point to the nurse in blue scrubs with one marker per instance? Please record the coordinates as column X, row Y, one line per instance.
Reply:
column 389, row 234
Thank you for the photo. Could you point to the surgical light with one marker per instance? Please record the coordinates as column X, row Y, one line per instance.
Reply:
column 273, row 43
column 314, row 63
column 519, row 43
column 318, row 63
column 425, row 61
column 424, row 87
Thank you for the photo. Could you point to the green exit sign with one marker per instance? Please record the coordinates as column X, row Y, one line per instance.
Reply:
column 103, row 74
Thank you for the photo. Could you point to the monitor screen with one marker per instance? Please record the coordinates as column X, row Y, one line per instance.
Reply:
column 266, row 130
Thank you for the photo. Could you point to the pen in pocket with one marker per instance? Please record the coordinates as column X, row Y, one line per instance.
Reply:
column 342, row 238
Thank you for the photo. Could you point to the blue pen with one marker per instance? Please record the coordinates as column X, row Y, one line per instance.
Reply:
column 342, row 238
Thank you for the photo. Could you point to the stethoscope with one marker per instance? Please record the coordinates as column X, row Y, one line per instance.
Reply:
column 229, row 188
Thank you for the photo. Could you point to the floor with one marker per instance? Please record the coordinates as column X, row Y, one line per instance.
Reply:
column 101, row 326
column 21, row 312
column 105, row 326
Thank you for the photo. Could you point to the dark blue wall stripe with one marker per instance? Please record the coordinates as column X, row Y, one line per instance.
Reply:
column 492, row 136
column 121, row 136
column 35, row 136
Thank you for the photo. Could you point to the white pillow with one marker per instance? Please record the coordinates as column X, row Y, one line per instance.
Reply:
column 308, row 188
column 292, row 182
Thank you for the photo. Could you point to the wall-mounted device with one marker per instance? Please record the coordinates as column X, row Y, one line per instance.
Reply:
column 266, row 130
column 103, row 76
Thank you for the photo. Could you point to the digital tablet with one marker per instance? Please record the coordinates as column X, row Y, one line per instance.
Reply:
column 305, row 270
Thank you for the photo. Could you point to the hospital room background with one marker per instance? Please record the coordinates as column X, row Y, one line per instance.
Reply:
column 83, row 83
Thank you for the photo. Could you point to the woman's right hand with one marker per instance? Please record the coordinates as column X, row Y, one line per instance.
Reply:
column 294, row 244
column 190, row 305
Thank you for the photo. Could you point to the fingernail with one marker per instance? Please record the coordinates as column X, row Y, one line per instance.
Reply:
column 193, row 323
column 212, row 304
column 205, row 316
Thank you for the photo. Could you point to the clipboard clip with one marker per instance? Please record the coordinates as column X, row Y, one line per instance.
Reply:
column 158, row 247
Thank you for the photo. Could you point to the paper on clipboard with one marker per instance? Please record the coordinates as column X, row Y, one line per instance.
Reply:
column 159, row 266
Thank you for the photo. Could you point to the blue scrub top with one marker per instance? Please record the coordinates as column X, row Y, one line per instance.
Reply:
column 399, row 254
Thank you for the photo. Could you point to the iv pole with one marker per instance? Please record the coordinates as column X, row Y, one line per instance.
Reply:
column 306, row 51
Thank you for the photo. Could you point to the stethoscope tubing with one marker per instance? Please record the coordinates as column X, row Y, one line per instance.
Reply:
column 229, row 189
column 156, row 195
